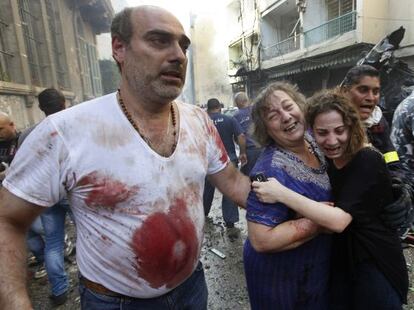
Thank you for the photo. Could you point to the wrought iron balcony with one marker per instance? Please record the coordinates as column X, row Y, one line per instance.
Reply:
column 330, row 29
column 283, row 47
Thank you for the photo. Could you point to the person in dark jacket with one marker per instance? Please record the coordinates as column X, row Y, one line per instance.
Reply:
column 244, row 117
column 229, row 131
column 362, row 86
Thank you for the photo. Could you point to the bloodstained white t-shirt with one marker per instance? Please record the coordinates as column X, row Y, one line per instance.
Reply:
column 139, row 216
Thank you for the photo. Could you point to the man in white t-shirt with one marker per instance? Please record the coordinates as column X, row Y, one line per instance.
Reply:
column 132, row 164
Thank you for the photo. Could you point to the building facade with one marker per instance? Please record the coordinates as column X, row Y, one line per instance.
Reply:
column 49, row 43
column 309, row 42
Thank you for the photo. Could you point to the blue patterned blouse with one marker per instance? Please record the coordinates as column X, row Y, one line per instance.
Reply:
column 296, row 278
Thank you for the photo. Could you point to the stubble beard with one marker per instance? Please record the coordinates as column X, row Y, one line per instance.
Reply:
column 149, row 86
column 165, row 91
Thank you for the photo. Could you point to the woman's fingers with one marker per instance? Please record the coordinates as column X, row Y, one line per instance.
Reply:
column 267, row 191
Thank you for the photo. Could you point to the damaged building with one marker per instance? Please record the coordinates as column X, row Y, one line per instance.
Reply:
column 309, row 42
column 49, row 43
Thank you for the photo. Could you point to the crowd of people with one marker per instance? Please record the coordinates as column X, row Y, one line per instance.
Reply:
column 327, row 198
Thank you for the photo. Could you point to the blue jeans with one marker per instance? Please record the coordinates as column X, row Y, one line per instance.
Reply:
column 35, row 241
column 190, row 295
column 50, row 250
column 370, row 289
column 229, row 208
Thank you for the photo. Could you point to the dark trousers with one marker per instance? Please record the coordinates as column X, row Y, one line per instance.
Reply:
column 369, row 289
column 252, row 156
column 229, row 208
column 190, row 295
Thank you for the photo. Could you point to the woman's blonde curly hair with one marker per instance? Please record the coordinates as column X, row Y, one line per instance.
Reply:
column 261, row 108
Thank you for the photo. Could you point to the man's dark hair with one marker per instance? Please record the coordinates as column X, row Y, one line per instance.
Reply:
column 213, row 104
column 355, row 74
column 51, row 101
column 122, row 28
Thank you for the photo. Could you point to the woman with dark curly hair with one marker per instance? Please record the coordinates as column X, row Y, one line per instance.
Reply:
column 368, row 266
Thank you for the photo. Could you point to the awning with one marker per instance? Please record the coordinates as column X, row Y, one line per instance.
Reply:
column 347, row 56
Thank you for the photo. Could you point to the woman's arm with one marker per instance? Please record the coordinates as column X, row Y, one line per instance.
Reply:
column 332, row 218
column 285, row 236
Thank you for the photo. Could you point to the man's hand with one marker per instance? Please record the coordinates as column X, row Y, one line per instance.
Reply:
column 243, row 159
column 400, row 213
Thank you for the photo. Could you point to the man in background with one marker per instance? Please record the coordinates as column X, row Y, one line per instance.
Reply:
column 230, row 132
column 49, row 249
column 244, row 117
column 362, row 86
column 8, row 143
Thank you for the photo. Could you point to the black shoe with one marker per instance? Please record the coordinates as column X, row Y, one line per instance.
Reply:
column 229, row 225
column 233, row 233
column 59, row 300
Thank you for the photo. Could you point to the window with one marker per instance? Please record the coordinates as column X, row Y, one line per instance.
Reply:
column 10, row 61
column 34, row 35
column 85, row 70
column 58, row 50
column 5, row 55
column 95, row 72
column 91, row 75
column 341, row 16
column 338, row 8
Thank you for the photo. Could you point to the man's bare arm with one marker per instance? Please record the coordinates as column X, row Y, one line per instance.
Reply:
column 232, row 183
column 16, row 215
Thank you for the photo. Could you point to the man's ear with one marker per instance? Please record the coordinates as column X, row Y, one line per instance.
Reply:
column 118, row 50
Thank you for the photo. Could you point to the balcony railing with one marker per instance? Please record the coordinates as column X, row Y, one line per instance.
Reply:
column 283, row 47
column 330, row 29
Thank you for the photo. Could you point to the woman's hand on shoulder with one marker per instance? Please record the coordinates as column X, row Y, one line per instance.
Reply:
column 268, row 192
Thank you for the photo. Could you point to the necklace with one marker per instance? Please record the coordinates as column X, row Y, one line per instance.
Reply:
column 146, row 139
column 311, row 150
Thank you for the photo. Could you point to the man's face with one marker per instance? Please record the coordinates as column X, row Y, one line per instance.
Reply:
column 7, row 130
column 154, row 63
column 365, row 95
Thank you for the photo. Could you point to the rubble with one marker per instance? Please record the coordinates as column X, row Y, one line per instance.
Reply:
column 225, row 277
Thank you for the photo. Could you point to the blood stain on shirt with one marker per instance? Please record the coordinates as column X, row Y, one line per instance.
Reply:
column 166, row 246
column 105, row 191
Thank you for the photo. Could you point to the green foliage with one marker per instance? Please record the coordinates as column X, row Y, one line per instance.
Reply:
column 110, row 76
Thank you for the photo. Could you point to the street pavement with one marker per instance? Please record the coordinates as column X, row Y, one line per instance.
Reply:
column 224, row 276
